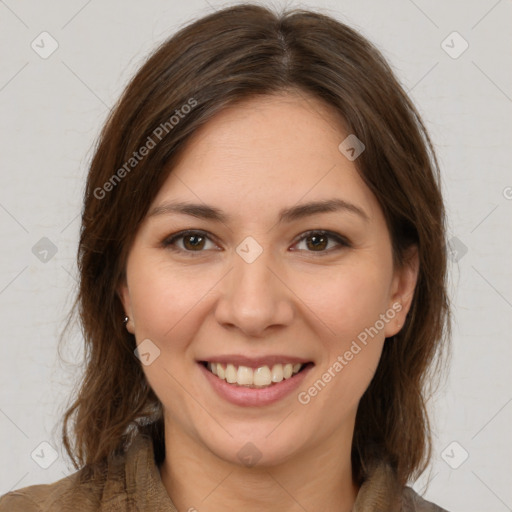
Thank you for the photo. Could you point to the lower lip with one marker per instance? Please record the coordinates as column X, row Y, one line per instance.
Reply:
column 254, row 397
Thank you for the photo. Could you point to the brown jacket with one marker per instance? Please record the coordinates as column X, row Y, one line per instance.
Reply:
column 133, row 484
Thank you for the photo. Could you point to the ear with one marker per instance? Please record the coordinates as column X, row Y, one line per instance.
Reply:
column 402, row 291
column 123, row 293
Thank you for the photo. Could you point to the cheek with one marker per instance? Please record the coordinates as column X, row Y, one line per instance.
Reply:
column 349, row 303
column 165, row 305
column 164, row 299
column 347, row 299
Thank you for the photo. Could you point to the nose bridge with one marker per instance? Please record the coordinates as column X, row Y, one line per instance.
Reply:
column 252, row 297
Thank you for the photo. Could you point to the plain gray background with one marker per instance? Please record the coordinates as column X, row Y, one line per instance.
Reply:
column 52, row 109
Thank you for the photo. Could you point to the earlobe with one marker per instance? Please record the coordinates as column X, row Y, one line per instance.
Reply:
column 402, row 291
column 130, row 326
column 124, row 296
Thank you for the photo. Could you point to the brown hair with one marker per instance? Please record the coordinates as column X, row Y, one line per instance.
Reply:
column 223, row 58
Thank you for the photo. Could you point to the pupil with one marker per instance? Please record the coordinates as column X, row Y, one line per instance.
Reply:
column 318, row 241
column 195, row 244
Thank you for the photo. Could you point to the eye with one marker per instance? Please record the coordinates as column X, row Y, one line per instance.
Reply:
column 318, row 241
column 190, row 241
column 194, row 242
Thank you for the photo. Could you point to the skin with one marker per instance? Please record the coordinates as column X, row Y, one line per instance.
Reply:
column 251, row 161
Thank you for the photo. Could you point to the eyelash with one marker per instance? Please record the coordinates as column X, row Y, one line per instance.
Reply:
column 169, row 242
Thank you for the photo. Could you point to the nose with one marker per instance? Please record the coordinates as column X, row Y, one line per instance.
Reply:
column 254, row 297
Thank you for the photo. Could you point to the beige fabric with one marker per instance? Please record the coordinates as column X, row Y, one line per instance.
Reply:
column 133, row 484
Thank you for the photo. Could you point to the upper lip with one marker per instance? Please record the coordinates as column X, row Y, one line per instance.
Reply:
column 254, row 362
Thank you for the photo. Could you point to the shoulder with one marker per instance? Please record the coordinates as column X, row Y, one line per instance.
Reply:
column 69, row 493
column 123, row 480
column 84, row 490
column 382, row 491
column 413, row 502
column 18, row 501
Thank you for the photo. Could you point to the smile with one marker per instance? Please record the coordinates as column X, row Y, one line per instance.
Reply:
column 260, row 377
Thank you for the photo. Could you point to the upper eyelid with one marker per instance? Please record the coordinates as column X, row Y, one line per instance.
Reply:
column 328, row 233
column 340, row 239
column 185, row 232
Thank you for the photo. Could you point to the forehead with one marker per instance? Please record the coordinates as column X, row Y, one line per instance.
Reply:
column 267, row 152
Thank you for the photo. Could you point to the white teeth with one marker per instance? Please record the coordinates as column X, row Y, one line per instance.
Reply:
column 262, row 377
column 230, row 373
column 287, row 370
column 277, row 373
column 244, row 376
column 259, row 377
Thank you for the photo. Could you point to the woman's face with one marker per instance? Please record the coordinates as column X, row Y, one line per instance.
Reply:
column 258, row 287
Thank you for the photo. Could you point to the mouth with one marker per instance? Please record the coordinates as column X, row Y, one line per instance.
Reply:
column 263, row 376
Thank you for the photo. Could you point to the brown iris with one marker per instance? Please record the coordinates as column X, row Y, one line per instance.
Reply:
column 197, row 241
column 318, row 241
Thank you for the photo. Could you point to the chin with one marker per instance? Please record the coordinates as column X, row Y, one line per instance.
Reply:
column 258, row 449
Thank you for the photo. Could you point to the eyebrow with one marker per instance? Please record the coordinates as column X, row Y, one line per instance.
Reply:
column 204, row 211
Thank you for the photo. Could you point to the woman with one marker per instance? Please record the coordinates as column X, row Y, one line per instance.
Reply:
column 262, row 280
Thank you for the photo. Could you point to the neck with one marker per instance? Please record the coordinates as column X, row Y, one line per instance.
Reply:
column 316, row 479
